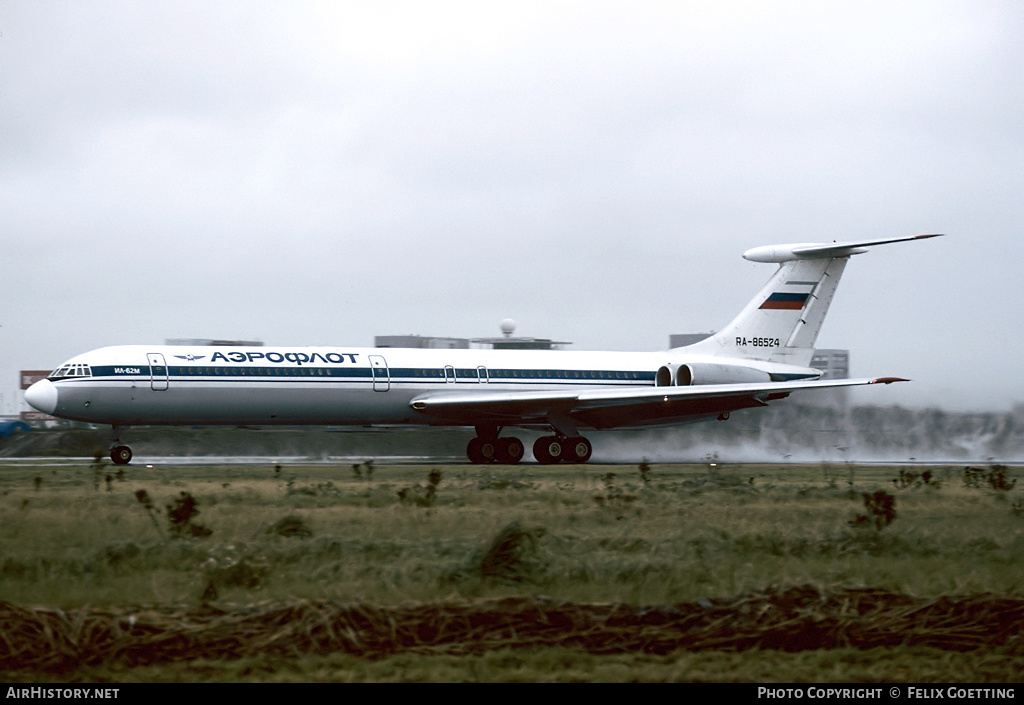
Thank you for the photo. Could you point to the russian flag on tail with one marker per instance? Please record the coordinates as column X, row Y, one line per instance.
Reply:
column 788, row 302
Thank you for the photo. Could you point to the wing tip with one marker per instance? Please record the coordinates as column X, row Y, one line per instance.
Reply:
column 888, row 380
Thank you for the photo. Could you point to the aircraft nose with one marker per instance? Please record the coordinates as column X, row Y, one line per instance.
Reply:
column 42, row 396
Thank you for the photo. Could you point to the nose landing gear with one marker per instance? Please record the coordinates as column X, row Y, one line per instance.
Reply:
column 120, row 454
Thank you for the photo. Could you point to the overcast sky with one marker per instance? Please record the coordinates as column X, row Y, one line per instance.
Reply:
column 311, row 173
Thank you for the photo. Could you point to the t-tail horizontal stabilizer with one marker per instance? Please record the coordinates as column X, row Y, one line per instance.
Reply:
column 787, row 253
column 781, row 323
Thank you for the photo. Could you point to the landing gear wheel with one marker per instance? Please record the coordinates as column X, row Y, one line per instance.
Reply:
column 510, row 450
column 577, row 450
column 547, row 450
column 482, row 451
column 121, row 455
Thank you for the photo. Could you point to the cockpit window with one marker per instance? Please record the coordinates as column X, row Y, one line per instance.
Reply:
column 65, row 371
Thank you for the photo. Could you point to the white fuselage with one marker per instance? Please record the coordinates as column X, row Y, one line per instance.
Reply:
column 185, row 385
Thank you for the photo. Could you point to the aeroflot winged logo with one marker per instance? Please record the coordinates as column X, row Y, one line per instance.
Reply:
column 190, row 358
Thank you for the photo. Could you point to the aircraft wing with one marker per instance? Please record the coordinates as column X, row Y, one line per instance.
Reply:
column 612, row 408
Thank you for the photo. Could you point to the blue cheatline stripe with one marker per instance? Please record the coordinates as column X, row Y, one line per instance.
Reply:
column 356, row 374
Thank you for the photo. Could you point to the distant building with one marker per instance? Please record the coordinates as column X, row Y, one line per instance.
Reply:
column 834, row 363
column 28, row 378
column 506, row 342
column 205, row 341
column 679, row 340
column 510, row 343
column 420, row 341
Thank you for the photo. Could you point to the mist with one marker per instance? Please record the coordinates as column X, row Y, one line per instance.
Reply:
column 793, row 432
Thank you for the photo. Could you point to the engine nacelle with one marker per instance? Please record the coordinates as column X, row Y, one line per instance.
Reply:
column 707, row 373
column 715, row 373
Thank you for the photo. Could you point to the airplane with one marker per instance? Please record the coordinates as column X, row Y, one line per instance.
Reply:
column 762, row 356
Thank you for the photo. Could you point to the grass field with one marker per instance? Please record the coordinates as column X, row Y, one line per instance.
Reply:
column 73, row 535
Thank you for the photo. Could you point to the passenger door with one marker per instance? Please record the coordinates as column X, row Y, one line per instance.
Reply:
column 158, row 377
column 379, row 372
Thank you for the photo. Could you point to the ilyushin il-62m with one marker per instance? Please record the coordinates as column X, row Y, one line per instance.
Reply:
column 762, row 356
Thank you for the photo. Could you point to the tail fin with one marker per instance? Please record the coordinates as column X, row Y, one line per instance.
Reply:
column 781, row 323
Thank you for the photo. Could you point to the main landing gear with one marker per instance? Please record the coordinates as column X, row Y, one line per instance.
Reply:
column 506, row 451
column 555, row 449
column 487, row 447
